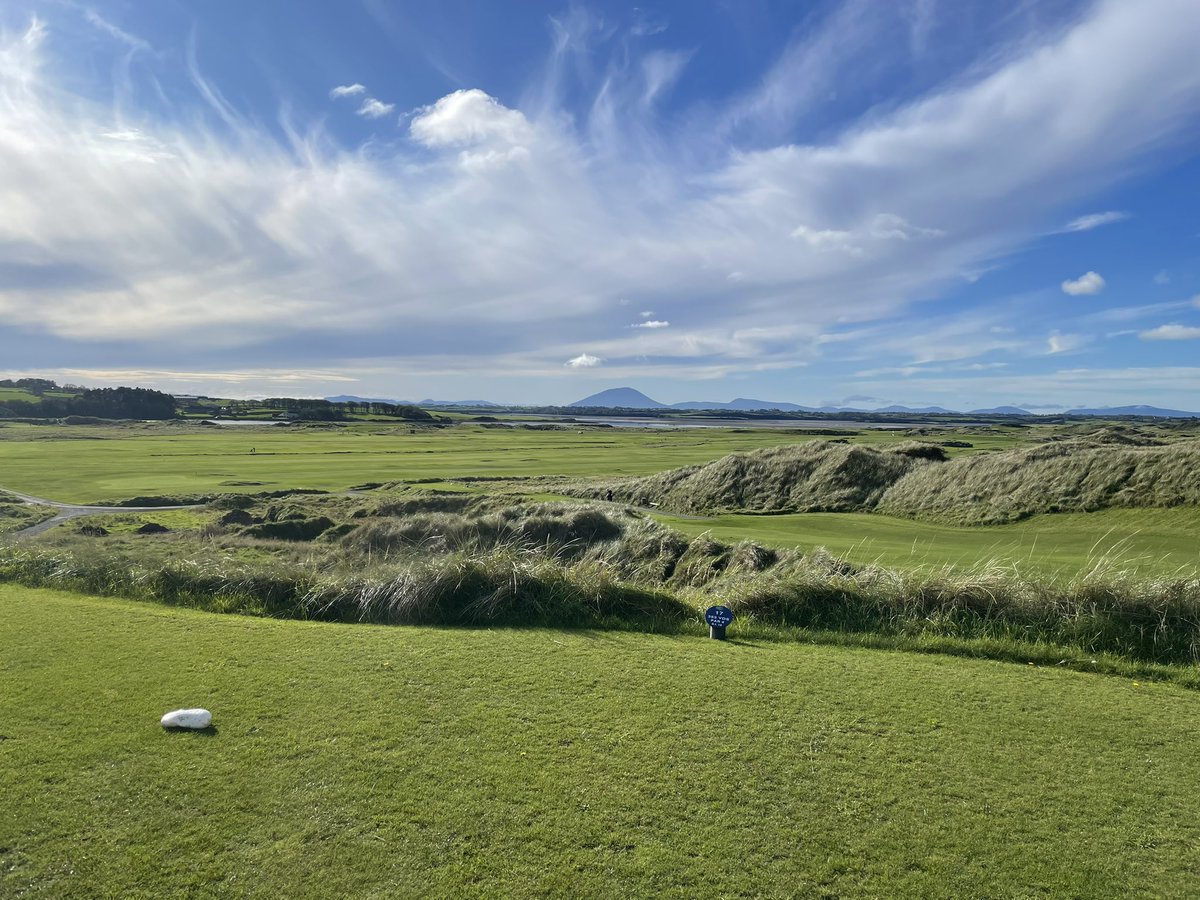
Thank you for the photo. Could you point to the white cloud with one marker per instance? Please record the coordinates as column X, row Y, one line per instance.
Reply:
column 1163, row 277
column 646, row 313
column 584, row 361
column 882, row 227
column 1063, row 343
column 1171, row 333
column 1095, row 220
column 347, row 90
column 652, row 323
column 1088, row 283
column 230, row 236
column 466, row 118
column 375, row 109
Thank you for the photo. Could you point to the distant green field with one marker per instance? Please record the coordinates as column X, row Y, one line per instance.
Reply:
column 384, row 761
column 1146, row 541
column 7, row 393
column 89, row 464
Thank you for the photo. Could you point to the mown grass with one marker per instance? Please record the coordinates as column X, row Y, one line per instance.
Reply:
column 1150, row 542
column 370, row 761
column 90, row 464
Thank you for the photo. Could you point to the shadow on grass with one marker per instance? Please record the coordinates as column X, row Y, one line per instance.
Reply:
column 210, row 731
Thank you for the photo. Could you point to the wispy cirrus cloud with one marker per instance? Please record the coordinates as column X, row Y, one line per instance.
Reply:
column 495, row 222
column 1173, row 332
column 1095, row 220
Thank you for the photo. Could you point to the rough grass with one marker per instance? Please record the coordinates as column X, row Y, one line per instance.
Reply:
column 819, row 476
column 1068, row 476
column 15, row 516
column 355, row 761
column 1104, row 470
column 566, row 565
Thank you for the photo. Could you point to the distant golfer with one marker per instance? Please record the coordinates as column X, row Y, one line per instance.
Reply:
column 251, row 451
column 608, row 496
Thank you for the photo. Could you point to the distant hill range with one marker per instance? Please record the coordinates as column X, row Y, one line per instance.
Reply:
column 629, row 398
column 456, row 403
column 1002, row 411
column 1133, row 411
column 350, row 398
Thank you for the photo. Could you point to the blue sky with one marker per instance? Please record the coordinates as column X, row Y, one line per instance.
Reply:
column 919, row 201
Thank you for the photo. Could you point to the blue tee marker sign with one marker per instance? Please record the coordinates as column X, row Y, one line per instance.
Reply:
column 718, row 618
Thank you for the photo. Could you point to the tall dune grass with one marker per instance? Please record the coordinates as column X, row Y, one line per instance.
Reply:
column 571, row 565
column 1079, row 475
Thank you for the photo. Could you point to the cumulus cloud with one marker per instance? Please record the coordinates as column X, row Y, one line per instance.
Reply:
column 1162, row 278
column 468, row 117
column 519, row 224
column 347, row 90
column 652, row 323
column 1087, row 283
column 584, row 361
column 1171, row 332
column 1095, row 220
column 375, row 109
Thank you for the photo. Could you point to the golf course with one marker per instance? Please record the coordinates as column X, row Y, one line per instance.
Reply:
column 437, row 656
column 375, row 761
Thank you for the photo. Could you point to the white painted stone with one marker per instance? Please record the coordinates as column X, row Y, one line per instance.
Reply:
column 187, row 718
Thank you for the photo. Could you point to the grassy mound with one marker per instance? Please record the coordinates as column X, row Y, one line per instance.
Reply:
column 349, row 761
column 1067, row 476
column 1109, row 468
column 819, row 476
column 16, row 516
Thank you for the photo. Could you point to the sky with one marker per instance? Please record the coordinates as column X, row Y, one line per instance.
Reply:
column 857, row 202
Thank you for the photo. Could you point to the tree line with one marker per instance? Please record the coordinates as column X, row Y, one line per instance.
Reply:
column 102, row 403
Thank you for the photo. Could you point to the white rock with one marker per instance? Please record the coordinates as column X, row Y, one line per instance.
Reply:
column 187, row 718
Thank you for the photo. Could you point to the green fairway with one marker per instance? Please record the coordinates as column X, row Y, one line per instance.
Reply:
column 358, row 760
column 1146, row 541
column 90, row 464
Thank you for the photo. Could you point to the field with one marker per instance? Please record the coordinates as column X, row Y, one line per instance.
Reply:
column 372, row 761
column 1146, row 541
column 95, row 464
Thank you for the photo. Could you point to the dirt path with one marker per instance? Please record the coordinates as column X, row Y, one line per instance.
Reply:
column 67, row 511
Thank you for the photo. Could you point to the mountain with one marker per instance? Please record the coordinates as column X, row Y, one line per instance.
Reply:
column 1001, row 411
column 742, row 403
column 621, row 398
column 923, row 410
column 456, row 403
column 1134, row 411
